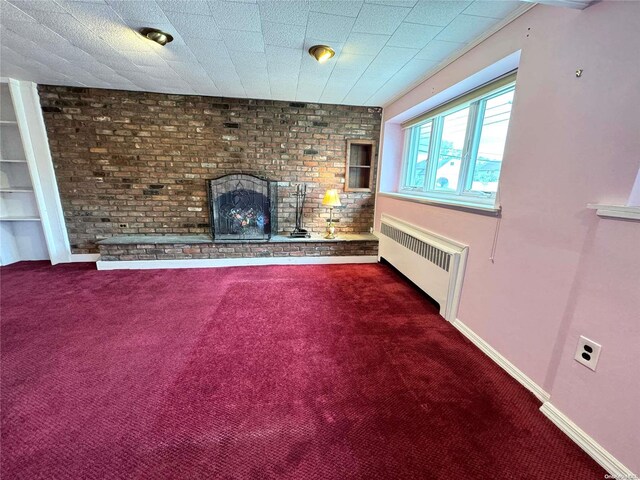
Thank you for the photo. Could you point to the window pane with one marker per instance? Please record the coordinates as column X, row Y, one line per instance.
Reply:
column 450, row 153
column 418, row 164
column 493, row 136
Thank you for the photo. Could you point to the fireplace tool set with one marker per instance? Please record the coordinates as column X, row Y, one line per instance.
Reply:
column 301, row 195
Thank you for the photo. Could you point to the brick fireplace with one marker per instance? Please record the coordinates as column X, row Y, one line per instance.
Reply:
column 133, row 165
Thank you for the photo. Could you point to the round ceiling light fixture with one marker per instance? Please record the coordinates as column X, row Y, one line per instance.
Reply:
column 321, row 53
column 156, row 35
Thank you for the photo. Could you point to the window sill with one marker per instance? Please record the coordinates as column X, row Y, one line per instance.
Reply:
column 621, row 212
column 483, row 210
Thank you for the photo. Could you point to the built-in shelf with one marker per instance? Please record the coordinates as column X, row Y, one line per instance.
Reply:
column 16, row 189
column 359, row 171
column 19, row 219
column 623, row 212
column 29, row 230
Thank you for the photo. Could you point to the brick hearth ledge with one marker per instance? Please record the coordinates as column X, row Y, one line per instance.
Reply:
column 178, row 247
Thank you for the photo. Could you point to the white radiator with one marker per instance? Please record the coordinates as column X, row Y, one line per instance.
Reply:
column 434, row 263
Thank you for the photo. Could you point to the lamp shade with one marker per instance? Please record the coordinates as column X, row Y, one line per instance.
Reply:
column 331, row 198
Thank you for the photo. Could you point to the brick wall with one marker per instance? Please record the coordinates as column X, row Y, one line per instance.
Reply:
column 136, row 163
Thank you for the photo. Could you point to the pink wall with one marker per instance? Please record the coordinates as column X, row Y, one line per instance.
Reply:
column 560, row 271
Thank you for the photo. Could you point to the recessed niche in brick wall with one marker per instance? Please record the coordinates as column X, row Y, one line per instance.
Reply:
column 136, row 163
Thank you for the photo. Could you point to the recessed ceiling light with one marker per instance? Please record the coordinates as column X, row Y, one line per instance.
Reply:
column 156, row 35
column 321, row 53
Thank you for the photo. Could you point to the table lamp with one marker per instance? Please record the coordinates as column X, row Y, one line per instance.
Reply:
column 331, row 200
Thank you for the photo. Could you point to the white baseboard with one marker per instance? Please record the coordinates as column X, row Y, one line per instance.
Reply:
column 231, row 262
column 84, row 257
column 506, row 365
column 588, row 444
column 575, row 433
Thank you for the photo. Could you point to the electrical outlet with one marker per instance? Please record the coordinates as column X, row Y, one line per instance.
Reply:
column 588, row 353
column 123, row 225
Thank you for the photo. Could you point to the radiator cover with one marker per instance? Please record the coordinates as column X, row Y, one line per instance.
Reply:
column 433, row 262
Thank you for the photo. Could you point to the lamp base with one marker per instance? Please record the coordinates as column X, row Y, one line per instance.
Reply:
column 331, row 232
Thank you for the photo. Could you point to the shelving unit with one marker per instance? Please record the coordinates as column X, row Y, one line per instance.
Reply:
column 21, row 231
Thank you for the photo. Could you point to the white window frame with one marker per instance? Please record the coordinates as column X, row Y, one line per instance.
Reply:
column 463, row 195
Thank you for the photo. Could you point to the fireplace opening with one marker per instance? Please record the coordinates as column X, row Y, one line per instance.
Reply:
column 242, row 208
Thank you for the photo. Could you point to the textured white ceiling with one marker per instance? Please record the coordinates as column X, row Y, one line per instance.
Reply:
column 254, row 48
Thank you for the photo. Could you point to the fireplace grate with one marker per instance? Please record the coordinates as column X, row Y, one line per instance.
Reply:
column 242, row 208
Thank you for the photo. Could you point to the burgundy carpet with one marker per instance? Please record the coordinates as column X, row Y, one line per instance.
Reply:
column 301, row 372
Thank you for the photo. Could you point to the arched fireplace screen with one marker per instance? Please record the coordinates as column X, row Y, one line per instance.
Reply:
column 242, row 208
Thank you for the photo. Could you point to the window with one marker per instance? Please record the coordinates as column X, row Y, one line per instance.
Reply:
column 453, row 154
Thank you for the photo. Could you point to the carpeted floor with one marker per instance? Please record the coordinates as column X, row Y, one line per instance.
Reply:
column 300, row 372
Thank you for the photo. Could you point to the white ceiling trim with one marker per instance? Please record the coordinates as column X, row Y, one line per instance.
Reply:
column 575, row 4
